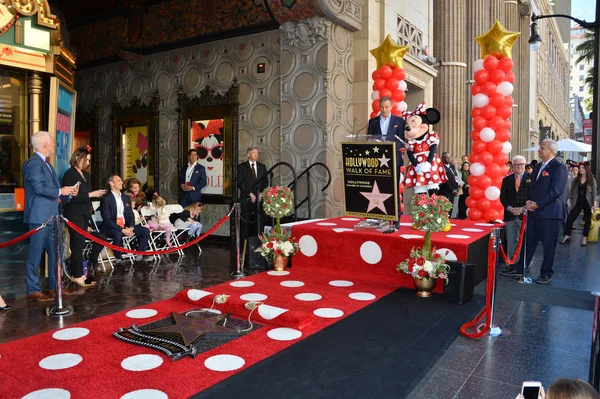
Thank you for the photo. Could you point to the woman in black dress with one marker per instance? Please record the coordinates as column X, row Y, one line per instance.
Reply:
column 582, row 196
column 78, row 211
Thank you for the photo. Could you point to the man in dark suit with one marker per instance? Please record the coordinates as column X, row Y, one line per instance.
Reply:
column 513, row 196
column 118, row 219
column 192, row 179
column 251, row 181
column 546, row 209
column 449, row 189
column 42, row 198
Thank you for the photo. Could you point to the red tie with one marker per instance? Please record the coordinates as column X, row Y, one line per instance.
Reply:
column 253, row 171
column 47, row 159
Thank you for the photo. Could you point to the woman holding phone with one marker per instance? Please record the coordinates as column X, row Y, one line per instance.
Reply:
column 78, row 211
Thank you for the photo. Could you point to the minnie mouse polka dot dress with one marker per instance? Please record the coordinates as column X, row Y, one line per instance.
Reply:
column 420, row 149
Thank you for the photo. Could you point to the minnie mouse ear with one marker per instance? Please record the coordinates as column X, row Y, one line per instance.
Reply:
column 432, row 115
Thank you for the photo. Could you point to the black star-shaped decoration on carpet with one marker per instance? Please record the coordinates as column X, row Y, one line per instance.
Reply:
column 191, row 329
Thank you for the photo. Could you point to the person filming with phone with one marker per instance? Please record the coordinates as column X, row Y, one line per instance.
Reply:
column 78, row 211
column 562, row 388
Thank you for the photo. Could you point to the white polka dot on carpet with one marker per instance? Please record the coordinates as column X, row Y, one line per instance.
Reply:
column 141, row 313
column 362, row 296
column 242, row 283
column 196, row 295
column 326, row 224
column 291, row 283
column 341, row 283
column 308, row 245
column 472, row 230
column 284, row 334
column 448, row 254
column 411, row 236
column 328, row 313
column 308, row 297
column 224, row 363
column 253, row 297
column 69, row 334
column 142, row 362
column 276, row 273
column 48, row 393
column 342, row 229
column 458, row 236
column 351, row 219
column 268, row 312
column 370, row 252
column 60, row 361
column 145, row 394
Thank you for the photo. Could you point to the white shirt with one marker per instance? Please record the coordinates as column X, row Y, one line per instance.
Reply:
column 189, row 172
column 384, row 124
column 544, row 164
column 120, row 206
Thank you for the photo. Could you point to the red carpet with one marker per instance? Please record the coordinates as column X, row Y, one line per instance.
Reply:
column 98, row 365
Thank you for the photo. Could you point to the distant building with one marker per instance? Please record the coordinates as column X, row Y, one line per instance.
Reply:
column 579, row 71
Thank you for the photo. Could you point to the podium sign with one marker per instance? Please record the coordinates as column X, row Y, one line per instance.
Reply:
column 370, row 185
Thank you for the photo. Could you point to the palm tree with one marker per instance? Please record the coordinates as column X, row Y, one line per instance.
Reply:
column 586, row 54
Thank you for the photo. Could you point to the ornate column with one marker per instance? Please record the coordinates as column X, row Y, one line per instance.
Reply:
column 497, row 11
column 317, row 72
column 450, row 91
column 522, row 79
column 35, row 102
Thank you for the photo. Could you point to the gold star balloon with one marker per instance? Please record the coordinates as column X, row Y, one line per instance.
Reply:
column 497, row 41
column 389, row 52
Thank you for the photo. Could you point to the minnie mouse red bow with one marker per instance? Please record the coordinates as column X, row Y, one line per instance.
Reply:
column 421, row 110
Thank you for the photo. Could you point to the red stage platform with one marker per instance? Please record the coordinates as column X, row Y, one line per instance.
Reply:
column 333, row 244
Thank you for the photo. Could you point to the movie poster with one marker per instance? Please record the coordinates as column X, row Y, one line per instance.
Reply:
column 207, row 138
column 64, row 132
column 370, row 185
column 135, row 155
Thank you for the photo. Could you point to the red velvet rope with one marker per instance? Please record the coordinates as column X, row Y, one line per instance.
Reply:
column 519, row 245
column 487, row 310
column 130, row 251
column 20, row 238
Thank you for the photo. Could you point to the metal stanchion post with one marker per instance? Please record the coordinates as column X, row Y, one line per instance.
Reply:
column 59, row 309
column 239, row 273
column 595, row 355
column 525, row 279
column 495, row 330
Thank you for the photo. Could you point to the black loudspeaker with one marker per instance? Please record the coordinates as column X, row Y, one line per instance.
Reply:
column 460, row 285
column 255, row 260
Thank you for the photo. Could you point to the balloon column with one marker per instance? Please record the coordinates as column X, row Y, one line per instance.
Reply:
column 491, row 112
column 388, row 81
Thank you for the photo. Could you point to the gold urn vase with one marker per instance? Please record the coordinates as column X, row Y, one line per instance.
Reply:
column 424, row 287
column 280, row 262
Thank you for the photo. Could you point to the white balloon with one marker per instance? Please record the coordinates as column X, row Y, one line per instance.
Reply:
column 487, row 134
column 480, row 100
column 403, row 106
column 375, row 95
column 402, row 85
column 507, row 147
column 477, row 169
column 505, row 88
column 492, row 193
column 477, row 65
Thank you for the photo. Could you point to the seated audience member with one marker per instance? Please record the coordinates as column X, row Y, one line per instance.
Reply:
column 160, row 218
column 133, row 189
column 189, row 219
column 118, row 219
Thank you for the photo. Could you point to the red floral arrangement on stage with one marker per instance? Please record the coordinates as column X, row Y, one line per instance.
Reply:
column 275, row 243
column 430, row 214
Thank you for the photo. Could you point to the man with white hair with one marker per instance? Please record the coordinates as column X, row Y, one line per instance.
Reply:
column 42, row 200
column 513, row 196
column 546, row 209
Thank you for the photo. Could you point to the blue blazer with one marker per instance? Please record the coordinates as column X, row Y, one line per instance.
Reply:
column 108, row 211
column 547, row 191
column 42, row 191
column 395, row 128
column 198, row 180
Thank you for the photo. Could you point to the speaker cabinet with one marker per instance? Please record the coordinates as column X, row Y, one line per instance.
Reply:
column 255, row 260
column 460, row 285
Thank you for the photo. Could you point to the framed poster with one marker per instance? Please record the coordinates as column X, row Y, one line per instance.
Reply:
column 62, row 123
column 207, row 137
column 135, row 156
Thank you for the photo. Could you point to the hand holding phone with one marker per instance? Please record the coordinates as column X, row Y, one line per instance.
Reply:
column 531, row 389
column 77, row 184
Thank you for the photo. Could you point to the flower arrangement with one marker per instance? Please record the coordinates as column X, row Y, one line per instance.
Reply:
column 430, row 214
column 277, row 201
column 275, row 243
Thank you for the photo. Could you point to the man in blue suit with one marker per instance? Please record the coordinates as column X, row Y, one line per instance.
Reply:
column 546, row 206
column 42, row 198
column 192, row 180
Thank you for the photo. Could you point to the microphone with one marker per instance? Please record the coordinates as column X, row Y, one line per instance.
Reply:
column 362, row 129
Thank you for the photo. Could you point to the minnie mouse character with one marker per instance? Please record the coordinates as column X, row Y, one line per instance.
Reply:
column 425, row 172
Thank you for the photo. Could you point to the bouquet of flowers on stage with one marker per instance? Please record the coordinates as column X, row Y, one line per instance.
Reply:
column 276, row 244
column 430, row 214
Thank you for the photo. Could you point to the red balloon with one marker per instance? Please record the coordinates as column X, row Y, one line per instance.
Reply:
column 376, row 106
column 396, row 112
column 490, row 214
column 497, row 181
column 484, row 181
column 503, row 170
column 505, row 64
column 489, row 88
column 494, row 147
column 483, row 204
column 500, row 158
column 498, row 76
column 486, row 158
column 507, row 124
column 490, row 63
column 394, row 108
column 479, row 146
column 474, row 157
column 476, row 192
column 474, row 214
column 375, row 75
column 504, row 112
column 392, row 84
column 479, row 122
column 497, row 205
column 482, row 76
column 497, row 100
column 398, row 95
column 385, row 72
column 385, row 93
column 475, row 112
column 492, row 170
column 379, row 84
column 508, row 101
column 476, row 89
column 401, row 207
column 488, row 112
column 398, row 73
column 472, row 180
column 373, row 114
column 510, row 77
column 502, row 135
column 496, row 123
column 470, row 202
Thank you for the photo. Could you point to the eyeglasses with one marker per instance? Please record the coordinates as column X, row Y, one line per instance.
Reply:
column 518, row 164
column 215, row 152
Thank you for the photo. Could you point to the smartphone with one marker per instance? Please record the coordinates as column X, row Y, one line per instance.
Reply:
column 531, row 389
column 77, row 184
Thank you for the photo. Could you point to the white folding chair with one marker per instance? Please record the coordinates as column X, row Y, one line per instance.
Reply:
column 158, row 238
column 126, row 242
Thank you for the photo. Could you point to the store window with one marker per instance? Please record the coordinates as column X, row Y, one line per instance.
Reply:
column 13, row 139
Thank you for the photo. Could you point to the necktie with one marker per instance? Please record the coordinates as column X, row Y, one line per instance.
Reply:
column 518, row 182
column 47, row 159
column 541, row 170
column 253, row 171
